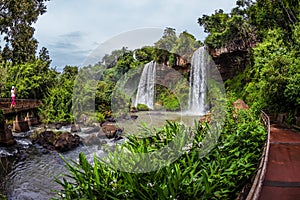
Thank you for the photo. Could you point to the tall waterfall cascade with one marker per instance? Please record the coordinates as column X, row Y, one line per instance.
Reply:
column 197, row 104
column 146, row 88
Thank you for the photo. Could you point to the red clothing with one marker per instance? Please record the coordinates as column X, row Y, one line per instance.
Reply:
column 13, row 100
column 13, row 96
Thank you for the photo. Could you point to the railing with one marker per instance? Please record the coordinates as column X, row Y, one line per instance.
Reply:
column 260, row 175
column 21, row 104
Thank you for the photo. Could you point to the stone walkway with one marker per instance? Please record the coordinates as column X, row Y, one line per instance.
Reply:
column 282, row 180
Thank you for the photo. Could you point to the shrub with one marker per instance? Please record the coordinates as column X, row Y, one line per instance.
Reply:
column 142, row 107
column 220, row 174
column 171, row 103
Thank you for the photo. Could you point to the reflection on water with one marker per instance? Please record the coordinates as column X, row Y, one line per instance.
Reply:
column 156, row 119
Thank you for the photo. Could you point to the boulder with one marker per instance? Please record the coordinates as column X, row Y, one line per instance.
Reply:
column 46, row 139
column 118, row 135
column 101, row 134
column 109, row 130
column 66, row 141
column 239, row 105
column 92, row 139
column 58, row 125
column 92, row 130
column 112, row 120
column 75, row 128
column 60, row 142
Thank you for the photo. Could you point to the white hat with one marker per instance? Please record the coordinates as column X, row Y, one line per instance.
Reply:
column 12, row 87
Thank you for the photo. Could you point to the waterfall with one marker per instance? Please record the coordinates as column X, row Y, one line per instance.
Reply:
column 198, row 83
column 146, row 87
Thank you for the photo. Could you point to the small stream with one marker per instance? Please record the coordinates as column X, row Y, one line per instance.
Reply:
column 27, row 170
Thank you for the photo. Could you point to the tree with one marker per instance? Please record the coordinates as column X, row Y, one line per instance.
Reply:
column 168, row 40
column 44, row 55
column 275, row 75
column 32, row 79
column 214, row 23
column 232, row 31
column 16, row 20
column 269, row 14
column 57, row 105
column 186, row 45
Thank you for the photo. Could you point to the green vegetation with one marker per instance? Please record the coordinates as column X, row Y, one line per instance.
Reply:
column 271, row 81
column 220, row 174
column 17, row 17
column 269, row 32
column 142, row 107
column 58, row 104
column 266, row 31
column 171, row 98
column 2, row 196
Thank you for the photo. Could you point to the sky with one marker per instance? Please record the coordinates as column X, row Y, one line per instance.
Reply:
column 72, row 30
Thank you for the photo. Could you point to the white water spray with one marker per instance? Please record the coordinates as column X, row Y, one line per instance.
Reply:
column 198, row 83
column 146, row 87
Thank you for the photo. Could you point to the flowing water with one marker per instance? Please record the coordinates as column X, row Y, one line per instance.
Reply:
column 199, row 75
column 146, row 87
column 198, row 83
column 28, row 170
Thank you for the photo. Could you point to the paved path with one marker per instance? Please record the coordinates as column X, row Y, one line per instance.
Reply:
column 282, row 180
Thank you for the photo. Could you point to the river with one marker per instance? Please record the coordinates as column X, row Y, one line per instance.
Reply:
column 28, row 170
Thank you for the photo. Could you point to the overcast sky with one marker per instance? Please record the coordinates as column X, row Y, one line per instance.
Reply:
column 72, row 29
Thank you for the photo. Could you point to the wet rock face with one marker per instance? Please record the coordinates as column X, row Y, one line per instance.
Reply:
column 230, row 63
column 61, row 142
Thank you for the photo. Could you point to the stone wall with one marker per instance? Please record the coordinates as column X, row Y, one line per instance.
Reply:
column 6, row 137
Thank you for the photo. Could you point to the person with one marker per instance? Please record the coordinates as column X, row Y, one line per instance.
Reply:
column 13, row 96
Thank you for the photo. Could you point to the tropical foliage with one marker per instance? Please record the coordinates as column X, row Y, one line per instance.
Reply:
column 267, row 31
column 271, row 80
column 57, row 106
column 17, row 18
column 220, row 174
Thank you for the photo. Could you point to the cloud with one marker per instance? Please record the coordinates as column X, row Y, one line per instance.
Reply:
column 65, row 50
column 131, row 39
column 74, row 27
